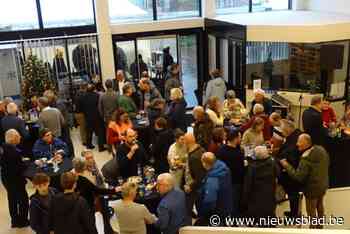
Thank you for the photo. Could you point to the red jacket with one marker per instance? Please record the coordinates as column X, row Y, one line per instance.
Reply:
column 328, row 116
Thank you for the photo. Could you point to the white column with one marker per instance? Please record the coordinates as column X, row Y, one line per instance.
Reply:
column 209, row 8
column 104, row 39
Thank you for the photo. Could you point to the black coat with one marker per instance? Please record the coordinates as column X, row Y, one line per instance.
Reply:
column 128, row 167
column 290, row 151
column 88, row 191
column 234, row 159
column 88, row 104
column 258, row 198
column 14, row 122
column 163, row 140
column 70, row 214
column 39, row 211
column 177, row 115
column 12, row 166
column 313, row 125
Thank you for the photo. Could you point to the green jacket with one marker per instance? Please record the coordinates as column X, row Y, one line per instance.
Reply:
column 128, row 105
column 312, row 171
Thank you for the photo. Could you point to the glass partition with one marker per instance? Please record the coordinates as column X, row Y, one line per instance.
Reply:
column 231, row 6
column 130, row 10
column 170, row 9
column 299, row 67
column 269, row 5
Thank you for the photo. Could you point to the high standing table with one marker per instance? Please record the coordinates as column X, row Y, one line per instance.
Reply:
column 65, row 166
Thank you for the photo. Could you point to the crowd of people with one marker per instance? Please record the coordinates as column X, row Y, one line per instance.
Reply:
column 229, row 165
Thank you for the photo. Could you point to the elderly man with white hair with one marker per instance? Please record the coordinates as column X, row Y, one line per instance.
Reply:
column 12, row 121
column 258, row 197
column 259, row 97
column 171, row 210
column 12, row 168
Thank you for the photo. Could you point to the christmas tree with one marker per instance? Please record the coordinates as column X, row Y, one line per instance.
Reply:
column 36, row 80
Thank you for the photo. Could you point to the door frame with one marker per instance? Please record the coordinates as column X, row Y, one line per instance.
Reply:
column 233, row 33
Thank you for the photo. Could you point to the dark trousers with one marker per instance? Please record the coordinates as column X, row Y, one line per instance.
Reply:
column 67, row 139
column 96, row 128
column 190, row 200
column 315, row 208
column 294, row 204
column 17, row 201
column 236, row 200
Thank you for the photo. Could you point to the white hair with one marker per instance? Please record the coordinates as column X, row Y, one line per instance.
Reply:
column 259, row 91
column 261, row 152
column 168, row 179
column 11, row 135
column 12, row 108
column 258, row 108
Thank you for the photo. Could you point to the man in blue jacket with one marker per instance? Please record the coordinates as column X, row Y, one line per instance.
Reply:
column 172, row 208
column 215, row 193
column 49, row 146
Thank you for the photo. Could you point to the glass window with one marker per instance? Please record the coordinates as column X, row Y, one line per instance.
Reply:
column 130, row 10
column 169, row 9
column 189, row 69
column 13, row 17
column 65, row 13
column 269, row 5
column 231, row 6
column 126, row 58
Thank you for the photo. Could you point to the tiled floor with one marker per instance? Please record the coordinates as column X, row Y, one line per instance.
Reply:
column 101, row 158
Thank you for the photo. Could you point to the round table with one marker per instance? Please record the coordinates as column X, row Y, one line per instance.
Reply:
column 65, row 166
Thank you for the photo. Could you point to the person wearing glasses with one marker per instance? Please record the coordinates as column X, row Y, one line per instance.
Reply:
column 49, row 146
column 171, row 210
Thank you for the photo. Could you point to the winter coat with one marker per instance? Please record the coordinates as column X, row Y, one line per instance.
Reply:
column 108, row 103
column 89, row 106
column 290, row 151
column 215, row 192
column 177, row 115
column 153, row 114
column 171, row 212
column 12, row 166
column 234, row 160
column 313, row 125
column 312, row 171
column 202, row 131
column 164, row 139
column 170, row 84
column 70, row 214
column 14, row 122
column 258, row 197
column 128, row 105
column 216, row 87
column 43, row 150
column 39, row 211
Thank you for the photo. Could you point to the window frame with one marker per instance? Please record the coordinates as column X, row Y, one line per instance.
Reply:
column 250, row 7
column 41, row 31
column 155, row 12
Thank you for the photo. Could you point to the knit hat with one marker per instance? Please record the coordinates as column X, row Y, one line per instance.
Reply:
column 43, row 131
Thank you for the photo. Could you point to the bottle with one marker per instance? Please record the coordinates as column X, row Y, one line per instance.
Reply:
column 139, row 170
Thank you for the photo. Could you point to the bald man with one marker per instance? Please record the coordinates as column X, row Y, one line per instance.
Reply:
column 119, row 82
column 130, row 155
column 215, row 193
column 312, row 172
column 202, row 127
column 172, row 208
column 194, row 172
